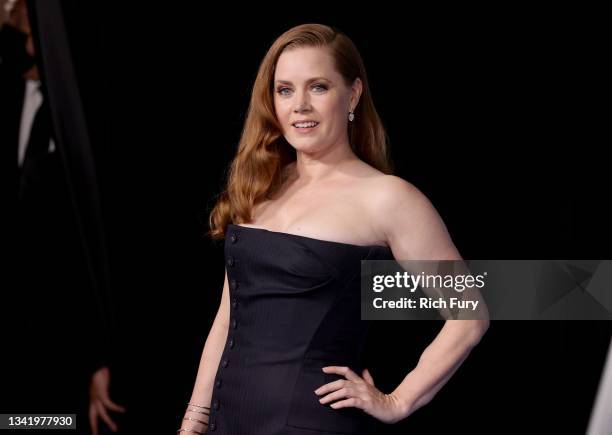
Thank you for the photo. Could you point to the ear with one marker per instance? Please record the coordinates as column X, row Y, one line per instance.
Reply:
column 356, row 90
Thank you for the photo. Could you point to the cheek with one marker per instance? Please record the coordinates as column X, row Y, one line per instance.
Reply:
column 331, row 108
column 334, row 113
column 283, row 111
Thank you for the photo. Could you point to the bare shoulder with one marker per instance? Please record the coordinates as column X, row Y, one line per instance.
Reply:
column 397, row 186
column 390, row 192
column 408, row 220
column 382, row 192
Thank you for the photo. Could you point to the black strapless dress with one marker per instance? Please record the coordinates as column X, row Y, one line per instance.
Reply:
column 294, row 309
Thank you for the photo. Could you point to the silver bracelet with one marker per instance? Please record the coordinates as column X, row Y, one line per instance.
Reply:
column 197, row 406
column 195, row 419
column 199, row 412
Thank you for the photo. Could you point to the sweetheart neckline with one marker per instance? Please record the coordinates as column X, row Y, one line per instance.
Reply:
column 311, row 238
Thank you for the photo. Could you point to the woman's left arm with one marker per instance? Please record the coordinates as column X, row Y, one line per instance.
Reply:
column 414, row 230
column 437, row 364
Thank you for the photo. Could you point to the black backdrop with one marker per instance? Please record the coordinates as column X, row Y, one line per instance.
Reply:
column 493, row 116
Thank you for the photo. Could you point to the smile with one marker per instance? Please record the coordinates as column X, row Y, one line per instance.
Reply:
column 305, row 125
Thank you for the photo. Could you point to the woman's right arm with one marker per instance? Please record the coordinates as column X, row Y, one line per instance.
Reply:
column 209, row 362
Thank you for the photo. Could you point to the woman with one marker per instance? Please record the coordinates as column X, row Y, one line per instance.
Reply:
column 309, row 195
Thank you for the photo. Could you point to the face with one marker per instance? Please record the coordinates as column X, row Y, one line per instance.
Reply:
column 311, row 99
column 19, row 20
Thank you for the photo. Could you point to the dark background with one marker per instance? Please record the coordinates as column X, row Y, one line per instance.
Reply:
column 496, row 120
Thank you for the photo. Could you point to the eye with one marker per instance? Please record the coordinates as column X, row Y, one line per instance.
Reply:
column 283, row 91
column 319, row 88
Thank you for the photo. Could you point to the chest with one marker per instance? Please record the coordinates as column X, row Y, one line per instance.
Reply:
column 340, row 215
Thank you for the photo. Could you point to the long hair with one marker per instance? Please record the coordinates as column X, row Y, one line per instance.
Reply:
column 257, row 172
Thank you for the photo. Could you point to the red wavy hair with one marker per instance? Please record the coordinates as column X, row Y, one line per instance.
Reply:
column 257, row 171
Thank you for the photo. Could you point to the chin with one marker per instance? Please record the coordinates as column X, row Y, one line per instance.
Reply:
column 308, row 146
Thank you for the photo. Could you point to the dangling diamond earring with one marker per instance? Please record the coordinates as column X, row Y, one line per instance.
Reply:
column 351, row 116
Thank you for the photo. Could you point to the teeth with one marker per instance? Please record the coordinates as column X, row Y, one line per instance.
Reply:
column 306, row 124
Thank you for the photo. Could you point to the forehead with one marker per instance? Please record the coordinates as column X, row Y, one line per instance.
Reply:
column 302, row 63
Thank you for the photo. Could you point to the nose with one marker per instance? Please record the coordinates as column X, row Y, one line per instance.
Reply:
column 303, row 103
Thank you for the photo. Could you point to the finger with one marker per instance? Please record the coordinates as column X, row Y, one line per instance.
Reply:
column 354, row 402
column 332, row 386
column 342, row 370
column 93, row 419
column 112, row 405
column 342, row 393
column 106, row 417
column 368, row 377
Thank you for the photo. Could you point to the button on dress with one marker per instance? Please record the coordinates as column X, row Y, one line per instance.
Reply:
column 295, row 308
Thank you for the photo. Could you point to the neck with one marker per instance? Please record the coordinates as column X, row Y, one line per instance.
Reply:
column 315, row 167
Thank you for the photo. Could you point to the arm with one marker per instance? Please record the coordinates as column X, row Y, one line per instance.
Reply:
column 405, row 218
column 213, row 348
column 437, row 364
column 415, row 231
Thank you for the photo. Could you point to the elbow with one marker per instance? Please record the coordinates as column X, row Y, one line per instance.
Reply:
column 483, row 325
column 478, row 330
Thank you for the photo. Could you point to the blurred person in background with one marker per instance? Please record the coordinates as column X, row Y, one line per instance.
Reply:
column 50, row 277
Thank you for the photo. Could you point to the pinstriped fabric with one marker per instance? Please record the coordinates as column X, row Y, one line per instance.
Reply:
column 294, row 308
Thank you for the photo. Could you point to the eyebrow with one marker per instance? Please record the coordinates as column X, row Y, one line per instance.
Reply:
column 314, row 79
